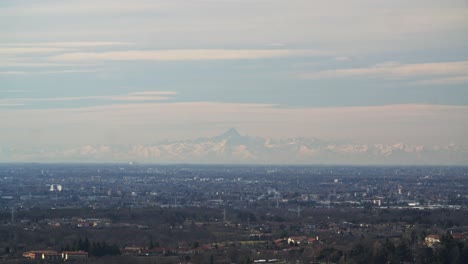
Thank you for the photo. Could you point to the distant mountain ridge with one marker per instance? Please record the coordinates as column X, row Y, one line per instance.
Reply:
column 232, row 147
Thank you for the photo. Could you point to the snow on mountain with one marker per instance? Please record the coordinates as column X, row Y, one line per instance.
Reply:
column 232, row 147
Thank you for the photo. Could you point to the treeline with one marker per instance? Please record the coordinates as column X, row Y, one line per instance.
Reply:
column 447, row 251
column 95, row 249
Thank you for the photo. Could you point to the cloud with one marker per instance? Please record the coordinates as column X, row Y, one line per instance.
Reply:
column 154, row 93
column 46, row 72
column 342, row 58
column 10, row 104
column 27, row 61
column 77, row 7
column 184, row 54
column 444, row 81
column 15, row 91
column 65, row 71
column 151, row 122
column 32, row 54
column 50, row 99
column 137, row 96
column 28, row 50
column 23, row 64
column 178, row 23
column 393, row 70
column 79, row 44
column 12, row 72
column 145, row 96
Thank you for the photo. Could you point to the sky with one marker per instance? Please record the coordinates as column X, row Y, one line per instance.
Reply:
column 140, row 72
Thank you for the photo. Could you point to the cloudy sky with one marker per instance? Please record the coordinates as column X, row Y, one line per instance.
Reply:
column 141, row 71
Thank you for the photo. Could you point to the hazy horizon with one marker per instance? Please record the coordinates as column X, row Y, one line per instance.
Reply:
column 374, row 81
column 232, row 147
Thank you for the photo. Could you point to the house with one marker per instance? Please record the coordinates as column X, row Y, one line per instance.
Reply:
column 52, row 256
column 42, row 254
column 280, row 242
column 155, row 251
column 297, row 240
column 132, row 251
column 459, row 233
column 431, row 240
column 74, row 255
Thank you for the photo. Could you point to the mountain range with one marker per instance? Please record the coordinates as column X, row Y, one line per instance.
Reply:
column 232, row 147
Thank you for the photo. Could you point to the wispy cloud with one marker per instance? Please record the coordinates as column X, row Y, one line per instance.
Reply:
column 154, row 93
column 444, row 81
column 342, row 58
column 27, row 61
column 137, row 96
column 12, row 73
column 10, row 104
column 394, row 70
column 77, row 7
column 77, row 44
column 184, row 54
column 65, row 71
column 46, row 72
column 164, row 120
column 15, row 91
column 33, row 54
column 28, row 50
column 50, row 99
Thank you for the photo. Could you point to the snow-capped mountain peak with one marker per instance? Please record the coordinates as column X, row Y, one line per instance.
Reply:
column 233, row 147
column 231, row 133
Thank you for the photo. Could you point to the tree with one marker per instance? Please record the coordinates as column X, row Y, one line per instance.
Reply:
column 464, row 253
column 425, row 255
column 86, row 245
column 246, row 260
column 403, row 252
column 80, row 244
column 449, row 251
column 379, row 253
column 195, row 245
column 330, row 254
column 360, row 253
column 101, row 249
column 67, row 247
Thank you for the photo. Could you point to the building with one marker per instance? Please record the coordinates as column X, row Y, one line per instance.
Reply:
column 55, row 188
column 297, row 240
column 74, row 255
column 42, row 255
column 52, row 256
column 132, row 251
column 431, row 240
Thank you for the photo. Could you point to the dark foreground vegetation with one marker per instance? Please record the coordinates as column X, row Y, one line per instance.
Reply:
column 203, row 235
